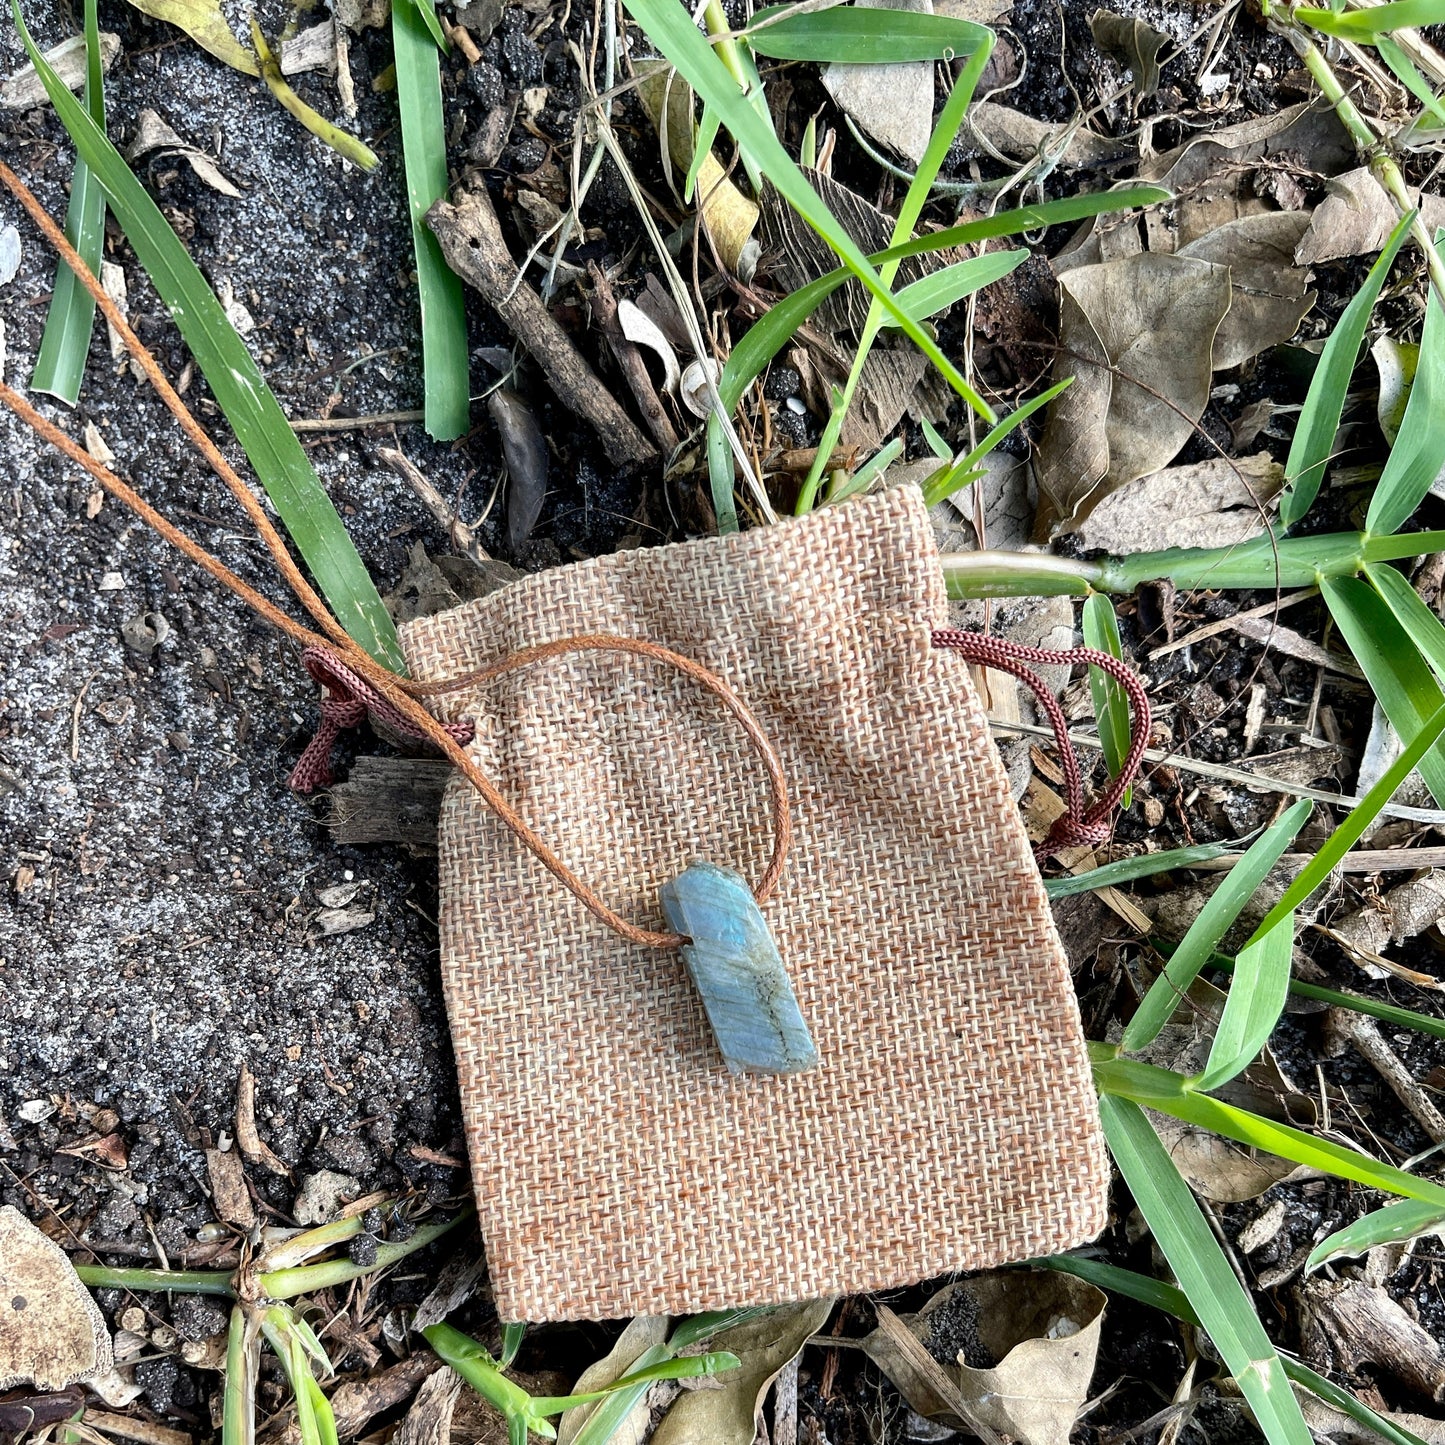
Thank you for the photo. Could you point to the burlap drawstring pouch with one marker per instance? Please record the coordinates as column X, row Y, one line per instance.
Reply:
column 619, row 1166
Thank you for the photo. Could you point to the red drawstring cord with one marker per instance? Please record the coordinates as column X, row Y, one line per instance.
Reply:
column 345, row 704
column 349, row 698
column 1078, row 825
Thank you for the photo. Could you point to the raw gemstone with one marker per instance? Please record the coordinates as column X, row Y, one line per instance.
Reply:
column 735, row 965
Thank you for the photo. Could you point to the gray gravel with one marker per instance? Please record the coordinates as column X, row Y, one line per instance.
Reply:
column 157, row 880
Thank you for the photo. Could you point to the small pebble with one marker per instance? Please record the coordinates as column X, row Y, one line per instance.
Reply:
column 9, row 254
column 782, row 382
column 362, row 1250
column 486, row 84
column 524, row 157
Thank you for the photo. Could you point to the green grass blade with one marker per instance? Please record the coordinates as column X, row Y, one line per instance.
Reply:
column 767, row 336
column 241, row 391
column 427, row 9
column 1141, row 1287
column 611, row 1414
column 1421, row 625
column 702, row 143
column 1379, row 20
column 322, row 1413
column 720, row 476
column 1213, row 922
column 1402, row 681
column 670, row 28
column 607, row 1419
column 445, row 359
column 949, row 121
column 1393, row 54
column 1393, row 1224
column 855, row 36
column 941, row 289
column 1224, row 1309
column 869, row 472
column 1253, row 1006
column 688, row 1367
column 60, row 365
column 1314, row 436
column 1419, row 451
column 702, row 1327
column 1111, row 707
column 1171, row 1300
column 1360, row 817
column 1126, row 870
column 513, row 1332
column 945, row 483
column 238, row 1404
column 772, row 332
column 1171, row 1094
column 1386, row 1012
column 1345, row 1402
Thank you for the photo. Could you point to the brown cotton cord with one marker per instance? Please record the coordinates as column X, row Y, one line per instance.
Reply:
column 1077, row 825
column 355, row 685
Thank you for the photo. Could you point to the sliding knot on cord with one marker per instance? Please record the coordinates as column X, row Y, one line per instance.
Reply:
column 1077, row 826
column 348, row 699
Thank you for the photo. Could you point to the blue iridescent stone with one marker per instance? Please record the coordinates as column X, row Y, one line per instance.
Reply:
column 737, row 970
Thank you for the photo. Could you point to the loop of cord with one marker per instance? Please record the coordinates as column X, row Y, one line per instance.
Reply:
column 1077, row 825
column 360, row 686
column 350, row 697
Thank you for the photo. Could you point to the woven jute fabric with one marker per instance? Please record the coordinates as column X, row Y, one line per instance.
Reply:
column 618, row 1167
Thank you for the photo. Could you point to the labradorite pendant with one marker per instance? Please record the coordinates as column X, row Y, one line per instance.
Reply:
column 737, row 970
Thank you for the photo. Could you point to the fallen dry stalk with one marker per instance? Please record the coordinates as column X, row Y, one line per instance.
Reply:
column 1366, row 1037
column 471, row 240
column 629, row 358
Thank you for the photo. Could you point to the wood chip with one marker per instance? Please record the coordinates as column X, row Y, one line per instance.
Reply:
column 229, row 1196
column 253, row 1148
column 471, row 240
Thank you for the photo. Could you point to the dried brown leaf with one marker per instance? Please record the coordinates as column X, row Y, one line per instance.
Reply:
column 1356, row 218
column 248, row 1140
column 229, row 1196
column 1206, row 504
column 1137, row 335
column 1133, row 44
column 728, row 1415
column 1270, row 292
column 1043, row 1329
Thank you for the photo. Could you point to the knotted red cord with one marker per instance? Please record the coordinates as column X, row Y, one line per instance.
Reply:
column 345, row 704
column 1077, row 825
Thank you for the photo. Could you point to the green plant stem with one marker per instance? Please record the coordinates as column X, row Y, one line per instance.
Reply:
column 186, row 1281
column 1382, row 164
column 288, row 1283
column 278, row 1284
column 238, row 1418
column 1020, row 574
column 725, row 43
column 1291, row 562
